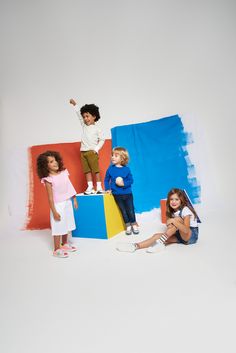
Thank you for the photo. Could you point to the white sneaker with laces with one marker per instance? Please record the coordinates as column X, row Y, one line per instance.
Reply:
column 157, row 247
column 135, row 229
column 128, row 230
column 126, row 247
column 89, row 191
column 100, row 191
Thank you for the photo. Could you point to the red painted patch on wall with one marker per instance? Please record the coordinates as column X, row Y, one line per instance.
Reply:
column 38, row 207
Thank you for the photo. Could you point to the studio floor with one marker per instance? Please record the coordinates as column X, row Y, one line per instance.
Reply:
column 100, row 300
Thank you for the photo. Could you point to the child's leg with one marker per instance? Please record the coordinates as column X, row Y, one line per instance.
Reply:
column 66, row 246
column 148, row 242
column 185, row 236
column 151, row 241
column 172, row 240
column 85, row 166
column 120, row 202
column 89, row 177
column 64, row 239
column 99, row 183
column 57, row 241
column 98, row 177
column 58, row 252
column 92, row 160
column 90, row 189
column 129, row 207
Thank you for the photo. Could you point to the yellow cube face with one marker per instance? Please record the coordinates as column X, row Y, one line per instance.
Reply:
column 114, row 220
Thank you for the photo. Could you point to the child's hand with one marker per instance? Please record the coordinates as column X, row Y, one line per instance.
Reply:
column 169, row 221
column 56, row 216
column 72, row 101
column 75, row 203
column 119, row 181
column 108, row 192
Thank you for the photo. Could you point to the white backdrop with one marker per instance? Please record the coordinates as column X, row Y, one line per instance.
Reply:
column 137, row 60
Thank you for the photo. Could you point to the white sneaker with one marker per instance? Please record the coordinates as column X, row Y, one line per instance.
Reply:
column 157, row 247
column 135, row 229
column 128, row 230
column 100, row 191
column 89, row 191
column 126, row 247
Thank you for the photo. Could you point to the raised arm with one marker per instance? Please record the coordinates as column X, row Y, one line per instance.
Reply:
column 76, row 107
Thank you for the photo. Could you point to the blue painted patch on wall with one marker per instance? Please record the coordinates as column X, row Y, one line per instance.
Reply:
column 159, row 160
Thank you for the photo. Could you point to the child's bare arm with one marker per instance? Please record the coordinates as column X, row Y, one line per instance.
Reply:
column 56, row 215
column 75, row 202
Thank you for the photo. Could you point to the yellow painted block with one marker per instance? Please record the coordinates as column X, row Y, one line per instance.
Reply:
column 114, row 220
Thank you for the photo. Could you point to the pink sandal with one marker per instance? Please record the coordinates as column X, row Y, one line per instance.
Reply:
column 69, row 247
column 60, row 253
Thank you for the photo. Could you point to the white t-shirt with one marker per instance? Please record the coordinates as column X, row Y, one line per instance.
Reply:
column 187, row 212
column 92, row 138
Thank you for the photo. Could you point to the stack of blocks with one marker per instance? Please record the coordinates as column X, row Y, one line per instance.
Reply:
column 97, row 216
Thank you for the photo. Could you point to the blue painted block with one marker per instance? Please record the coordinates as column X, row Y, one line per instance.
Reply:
column 97, row 216
column 89, row 218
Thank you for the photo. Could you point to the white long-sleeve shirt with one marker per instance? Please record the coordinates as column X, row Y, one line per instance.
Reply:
column 92, row 137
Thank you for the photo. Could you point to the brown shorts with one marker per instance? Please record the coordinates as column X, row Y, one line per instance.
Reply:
column 89, row 160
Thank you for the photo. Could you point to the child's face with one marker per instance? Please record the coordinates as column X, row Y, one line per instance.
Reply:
column 116, row 158
column 175, row 202
column 89, row 119
column 52, row 165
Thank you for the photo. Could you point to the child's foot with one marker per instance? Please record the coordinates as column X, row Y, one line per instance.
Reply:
column 135, row 229
column 157, row 247
column 60, row 253
column 128, row 230
column 126, row 247
column 89, row 191
column 100, row 191
column 69, row 247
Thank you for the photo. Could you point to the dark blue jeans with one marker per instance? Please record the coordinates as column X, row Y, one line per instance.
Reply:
column 126, row 205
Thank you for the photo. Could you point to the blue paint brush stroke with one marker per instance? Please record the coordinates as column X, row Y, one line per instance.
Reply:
column 159, row 160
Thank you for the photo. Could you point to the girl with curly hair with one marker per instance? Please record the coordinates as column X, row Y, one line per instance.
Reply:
column 60, row 191
column 92, row 140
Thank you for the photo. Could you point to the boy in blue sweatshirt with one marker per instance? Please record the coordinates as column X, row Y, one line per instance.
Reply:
column 118, row 181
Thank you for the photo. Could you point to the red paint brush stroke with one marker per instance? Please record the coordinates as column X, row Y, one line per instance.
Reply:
column 38, row 207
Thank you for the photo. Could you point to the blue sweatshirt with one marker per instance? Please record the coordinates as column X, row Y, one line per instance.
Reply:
column 110, row 180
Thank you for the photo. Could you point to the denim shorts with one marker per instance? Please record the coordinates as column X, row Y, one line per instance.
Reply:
column 193, row 239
